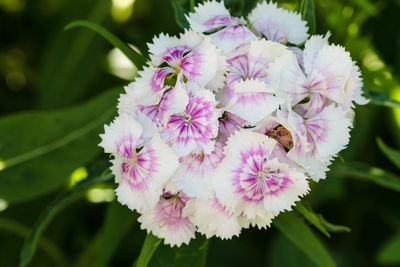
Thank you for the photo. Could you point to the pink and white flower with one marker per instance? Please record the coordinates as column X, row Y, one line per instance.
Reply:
column 226, row 31
column 278, row 24
column 194, row 173
column 142, row 161
column 248, row 92
column 166, row 220
column 329, row 75
column 194, row 129
column 251, row 180
column 212, row 219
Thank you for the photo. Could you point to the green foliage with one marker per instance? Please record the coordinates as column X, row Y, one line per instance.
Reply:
column 135, row 57
column 373, row 174
column 40, row 156
column 63, row 69
column 381, row 99
column 297, row 232
column 390, row 153
column 71, row 60
column 389, row 253
column 52, row 210
column 194, row 254
column 307, row 11
column 311, row 217
column 150, row 245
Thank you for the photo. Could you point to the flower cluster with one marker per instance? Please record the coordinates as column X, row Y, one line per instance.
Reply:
column 229, row 120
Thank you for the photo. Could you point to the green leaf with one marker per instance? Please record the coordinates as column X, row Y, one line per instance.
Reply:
column 46, row 245
column 181, row 7
column 39, row 150
column 52, row 210
column 135, row 57
column 72, row 59
column 294, row 229
column 332, row 227
column 311, row 217
column 118, row 220
column 389, row 253
column 193, row 255
column 392, row 154
column 150, row 245
column 381, row 99
column 307, row 11
column 369, row 173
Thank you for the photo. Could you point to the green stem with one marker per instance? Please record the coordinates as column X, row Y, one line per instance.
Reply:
column 46, row 245
column 149, row 247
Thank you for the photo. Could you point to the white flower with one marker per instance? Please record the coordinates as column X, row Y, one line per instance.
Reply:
column 195, row 171
column 317, row 139
column 194, row 128
column 248, row 92
column 252, row 181
column 278, row 24
column 226, row 31
column 142, row 161
column 329, row 76
column 166, row 220
column 212, row 219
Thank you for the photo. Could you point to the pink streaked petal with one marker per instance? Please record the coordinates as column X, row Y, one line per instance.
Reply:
column 166, row 221
column 195, row 127
column 229, row 123
column 194, row 173
column 329, row 130
column 209, row 16
column 232, row 36
column 314, row 106
column 211, row 218
column 253, row 107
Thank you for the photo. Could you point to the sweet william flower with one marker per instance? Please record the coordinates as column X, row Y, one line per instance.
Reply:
column 193, row 176
column 194, row 129
column 248, row 92
column 226, row 31
column 142, row 161
column 212, row 219
column 328, row 75
column 278, row 24
column 166, row 220
column 251, row 180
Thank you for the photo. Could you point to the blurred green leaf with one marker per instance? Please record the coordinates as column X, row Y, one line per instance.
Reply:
column 392, row 154
column 52, row 210
column 369, row 173
column 311, row 217
column 21, row 230
column 135, row 57
column 307, row 11
column 332, row 227
column 294, row 229
column 193, row 255
column 381, row 99
column 71, row 60
column 181, row 7
column 118, row 220
column 39, row 150
column 150, row 245
column 389, row 253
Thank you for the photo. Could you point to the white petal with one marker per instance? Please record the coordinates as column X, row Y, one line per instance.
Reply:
column 124, row 126
column 329, row 131
column 207, row 16
column 278, row 24
column 211, row 219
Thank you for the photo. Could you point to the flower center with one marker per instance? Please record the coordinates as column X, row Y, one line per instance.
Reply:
column 187, row 119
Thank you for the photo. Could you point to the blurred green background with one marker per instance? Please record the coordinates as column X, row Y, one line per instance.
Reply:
column 48, row 74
